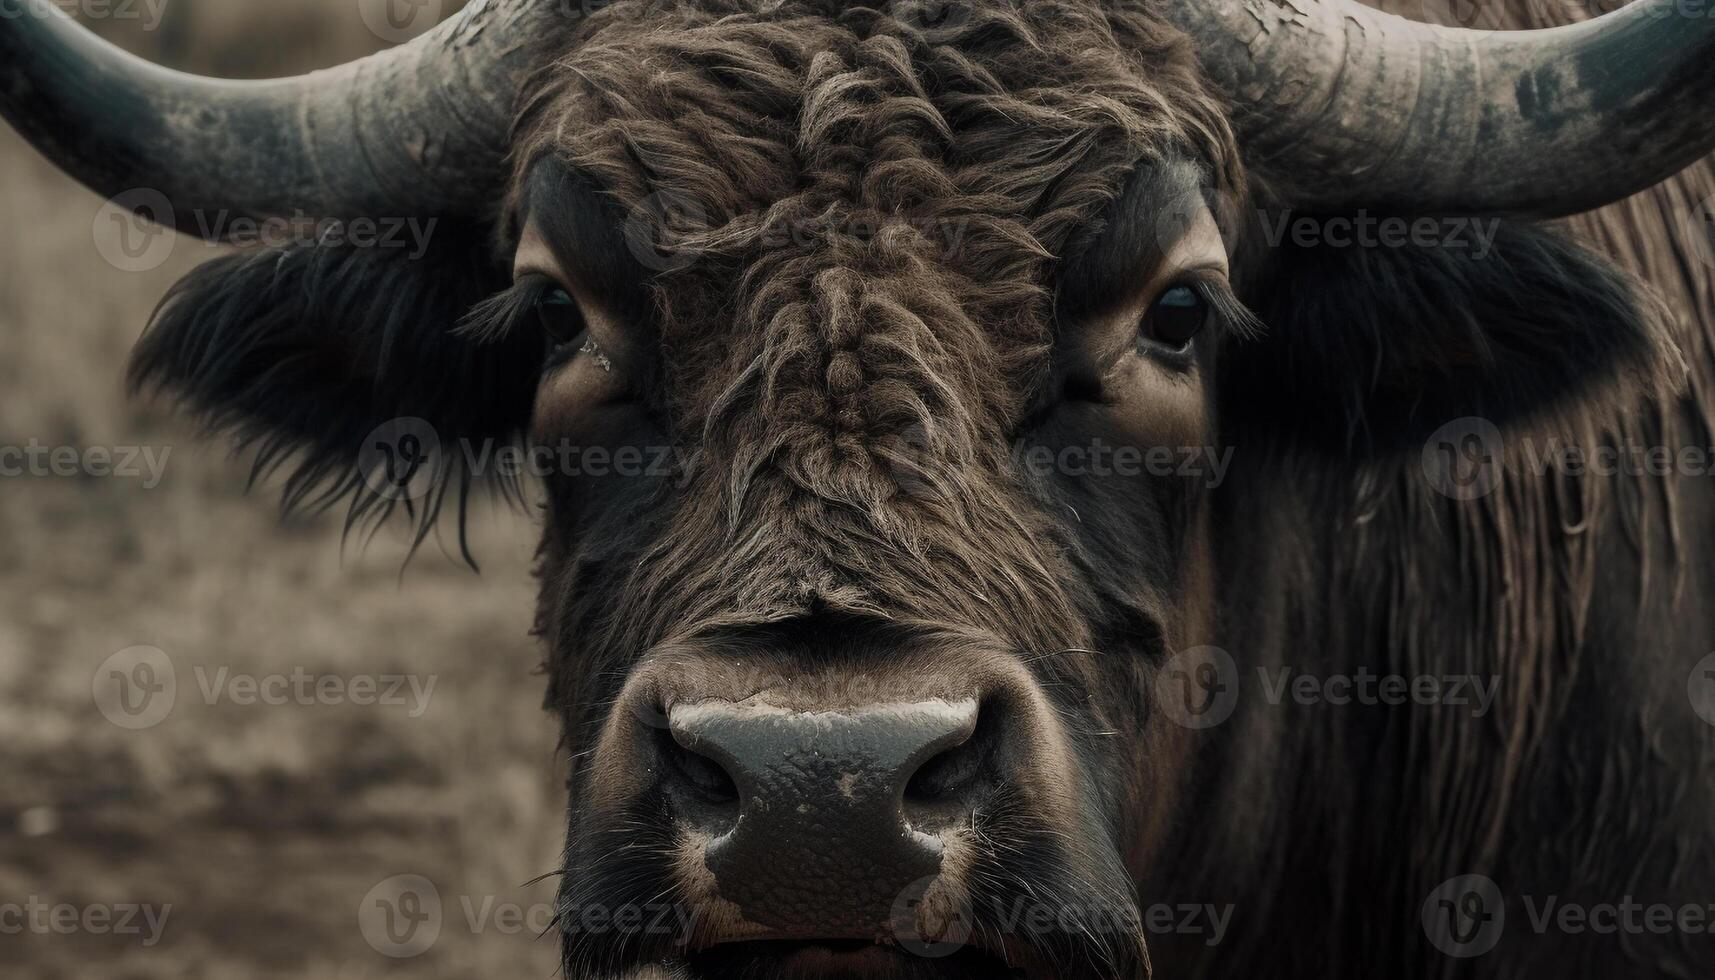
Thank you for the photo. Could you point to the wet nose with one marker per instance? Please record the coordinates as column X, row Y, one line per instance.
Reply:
column 818, row 820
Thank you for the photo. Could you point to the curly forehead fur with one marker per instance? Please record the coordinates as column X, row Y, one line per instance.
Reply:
column 879, row 209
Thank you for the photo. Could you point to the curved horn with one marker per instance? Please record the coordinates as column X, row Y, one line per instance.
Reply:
column 1341, row 105
column 416, row 129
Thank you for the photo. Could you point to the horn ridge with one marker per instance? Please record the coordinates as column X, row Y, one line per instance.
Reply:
column 1343, row 105
column 417, row 129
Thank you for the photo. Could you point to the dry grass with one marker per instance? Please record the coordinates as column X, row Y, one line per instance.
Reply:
column 262, row 826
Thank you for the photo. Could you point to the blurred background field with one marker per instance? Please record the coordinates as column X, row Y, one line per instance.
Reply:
column 264, row 827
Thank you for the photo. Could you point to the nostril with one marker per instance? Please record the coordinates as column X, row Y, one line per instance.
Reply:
column 945, row 775
column 947, row 784
column 706, row 780
column 706, row 776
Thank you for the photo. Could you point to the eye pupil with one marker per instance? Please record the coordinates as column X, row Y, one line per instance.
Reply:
column 560, row 318
column 1178, row 316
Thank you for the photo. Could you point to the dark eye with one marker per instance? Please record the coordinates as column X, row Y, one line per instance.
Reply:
column 1177, row 317
column 561, row 320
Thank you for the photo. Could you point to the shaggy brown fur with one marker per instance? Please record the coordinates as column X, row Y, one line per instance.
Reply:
column 809, row 373
column 1580, row 592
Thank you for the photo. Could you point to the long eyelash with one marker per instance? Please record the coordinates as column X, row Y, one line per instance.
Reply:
column 496, row 317
column 1235, row 317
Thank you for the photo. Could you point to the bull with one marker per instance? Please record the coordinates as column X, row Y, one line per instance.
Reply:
column 883, row 671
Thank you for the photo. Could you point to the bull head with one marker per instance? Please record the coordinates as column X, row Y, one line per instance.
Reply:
column 852, row 682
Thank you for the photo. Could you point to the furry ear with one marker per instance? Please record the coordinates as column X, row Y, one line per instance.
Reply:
column 1369, row 348
column 342, row 364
